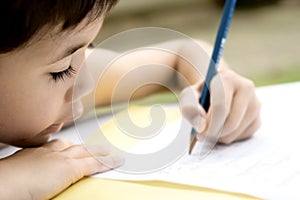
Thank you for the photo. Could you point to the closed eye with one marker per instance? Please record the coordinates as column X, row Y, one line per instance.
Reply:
column 61, row 76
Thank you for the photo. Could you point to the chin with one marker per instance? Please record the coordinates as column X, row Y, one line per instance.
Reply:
column 37, row 139
column 32, row 142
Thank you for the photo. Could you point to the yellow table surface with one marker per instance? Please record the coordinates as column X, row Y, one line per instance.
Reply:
column 96, row 188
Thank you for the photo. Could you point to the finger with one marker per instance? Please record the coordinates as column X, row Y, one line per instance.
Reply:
column 252, row 114
column 91, row 165
column 191, row 109
column 81, row 151
column 98, row 150
column 83, row 167
column 219, row 99
column 250, row 130
column 57, row 145
column 238, row 110
column 86, row 166
column 228, row 90
column 111, row 161
column 242, row 135
column 217, row 111
column 244, row 95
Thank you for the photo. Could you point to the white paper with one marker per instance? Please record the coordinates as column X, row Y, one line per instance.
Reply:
column 267, row 165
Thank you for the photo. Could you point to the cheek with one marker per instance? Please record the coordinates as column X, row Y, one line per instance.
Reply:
column 27, row 112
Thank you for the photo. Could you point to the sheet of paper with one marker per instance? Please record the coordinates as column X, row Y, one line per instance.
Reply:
column 245, row 167
column 267, row 165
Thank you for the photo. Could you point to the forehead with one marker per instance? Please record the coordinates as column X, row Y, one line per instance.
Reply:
column 50, row 42
column 84, row 29
column 85, row 32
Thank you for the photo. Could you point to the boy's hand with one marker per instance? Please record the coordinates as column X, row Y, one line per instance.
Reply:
column 234, row 108
column 43, row 172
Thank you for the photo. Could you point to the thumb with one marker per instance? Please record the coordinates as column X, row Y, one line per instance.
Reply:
column 191, row 109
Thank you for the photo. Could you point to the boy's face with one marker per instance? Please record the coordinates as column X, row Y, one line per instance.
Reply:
column 36, row 85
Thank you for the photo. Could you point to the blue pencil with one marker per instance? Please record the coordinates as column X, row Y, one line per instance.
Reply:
column 216, row 56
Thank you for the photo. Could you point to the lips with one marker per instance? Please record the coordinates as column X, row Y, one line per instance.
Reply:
column 54, row 128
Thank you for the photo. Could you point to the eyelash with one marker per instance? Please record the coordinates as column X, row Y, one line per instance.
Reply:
column 61, row 76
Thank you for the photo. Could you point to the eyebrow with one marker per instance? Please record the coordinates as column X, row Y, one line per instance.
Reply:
column 69, row 51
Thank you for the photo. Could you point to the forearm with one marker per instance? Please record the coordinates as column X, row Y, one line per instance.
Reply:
column 173, row 59
column 129, row 73
column 10, row 184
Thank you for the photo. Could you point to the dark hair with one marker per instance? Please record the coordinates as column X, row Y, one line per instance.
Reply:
column 20, row 20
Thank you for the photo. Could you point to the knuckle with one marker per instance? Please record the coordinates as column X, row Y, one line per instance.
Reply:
column 249, row 84
column 226, row 75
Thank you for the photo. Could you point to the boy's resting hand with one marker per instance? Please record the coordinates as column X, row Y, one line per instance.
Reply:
column 237, row 115
column 43, row 172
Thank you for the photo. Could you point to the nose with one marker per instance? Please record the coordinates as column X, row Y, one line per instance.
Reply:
column 83, row 85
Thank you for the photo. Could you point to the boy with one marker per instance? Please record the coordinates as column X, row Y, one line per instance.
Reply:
column 42, row 48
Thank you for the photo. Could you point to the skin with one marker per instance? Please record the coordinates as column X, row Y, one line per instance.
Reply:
column 27, row 87
column 33, row 106
column 234, row 113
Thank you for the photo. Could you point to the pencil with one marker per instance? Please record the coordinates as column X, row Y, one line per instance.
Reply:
column 214, row 61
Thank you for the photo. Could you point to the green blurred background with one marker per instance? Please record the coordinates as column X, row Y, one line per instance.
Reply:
column 263, row 42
